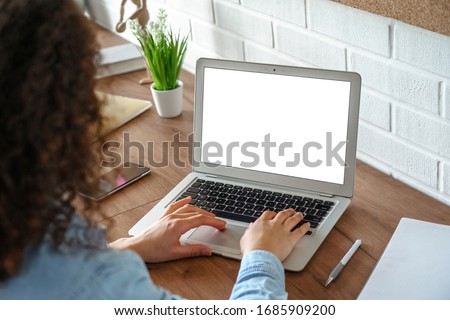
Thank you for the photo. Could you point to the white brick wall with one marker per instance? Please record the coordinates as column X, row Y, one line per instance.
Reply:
column 304, row 45
column 178, row 21
column 405, row 102
column 199, row 8
column 397, row 154
column 252, row 26
column 424, row 130
column 352, row 26
column 287, row 10
column 397, row 80
column 257, row 53
column 218, row 40
column 422, row 48
column 446, row 100
column 446, row 178
column 193, row 52
column 375, row 109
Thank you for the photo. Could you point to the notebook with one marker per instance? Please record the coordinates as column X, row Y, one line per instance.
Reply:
column 268, row 133
column 120, row 59
column 415, row 264
column 118, row 110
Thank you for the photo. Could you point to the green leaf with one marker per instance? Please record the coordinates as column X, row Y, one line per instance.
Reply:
column 163, row 51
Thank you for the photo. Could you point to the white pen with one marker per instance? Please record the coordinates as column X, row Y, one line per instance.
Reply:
column 334, row 274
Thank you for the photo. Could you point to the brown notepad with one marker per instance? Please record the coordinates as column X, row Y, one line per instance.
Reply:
column 118, row 110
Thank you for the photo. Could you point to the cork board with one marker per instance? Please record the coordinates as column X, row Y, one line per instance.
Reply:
column 433, row 15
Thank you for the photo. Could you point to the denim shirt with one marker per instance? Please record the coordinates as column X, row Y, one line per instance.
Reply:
column 86, row 271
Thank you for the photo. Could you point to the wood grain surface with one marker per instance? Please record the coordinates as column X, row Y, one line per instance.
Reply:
column 378, row 205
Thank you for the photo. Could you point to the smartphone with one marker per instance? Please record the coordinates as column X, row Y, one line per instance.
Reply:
column 114, row 180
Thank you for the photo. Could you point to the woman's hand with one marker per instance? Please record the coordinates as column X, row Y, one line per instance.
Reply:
column 272, row 232
column 161, row 241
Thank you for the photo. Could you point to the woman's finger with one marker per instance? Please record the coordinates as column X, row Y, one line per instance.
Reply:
column 283, row 215
column 197, row 220
column 292, row 221
column 267, row 215
column 191, row 208
column 177, row 205
column 298, row 233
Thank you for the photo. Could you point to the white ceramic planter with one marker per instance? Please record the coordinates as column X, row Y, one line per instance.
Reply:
column 169, row 104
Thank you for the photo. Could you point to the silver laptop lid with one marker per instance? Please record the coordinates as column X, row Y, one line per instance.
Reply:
column 282, row 125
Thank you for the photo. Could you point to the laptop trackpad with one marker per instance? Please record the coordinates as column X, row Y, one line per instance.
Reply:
column 226, row 241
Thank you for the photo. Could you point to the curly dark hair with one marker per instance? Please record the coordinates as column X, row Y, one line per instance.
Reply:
column 48, row 112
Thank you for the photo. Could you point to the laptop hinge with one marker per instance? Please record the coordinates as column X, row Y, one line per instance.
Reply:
column 326, row 195
column 211, row 176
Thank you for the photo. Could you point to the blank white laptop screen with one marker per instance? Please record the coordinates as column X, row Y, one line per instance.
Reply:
column 286, row 125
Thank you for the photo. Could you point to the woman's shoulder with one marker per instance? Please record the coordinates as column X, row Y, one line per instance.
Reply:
column 83, row 268
column 81, row 273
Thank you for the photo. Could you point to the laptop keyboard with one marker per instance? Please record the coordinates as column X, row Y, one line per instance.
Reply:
column 247, row 204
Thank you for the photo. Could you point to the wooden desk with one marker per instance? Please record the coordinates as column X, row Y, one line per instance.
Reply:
column 379, row 203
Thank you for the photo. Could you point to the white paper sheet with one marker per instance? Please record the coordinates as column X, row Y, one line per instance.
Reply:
column 414, row 265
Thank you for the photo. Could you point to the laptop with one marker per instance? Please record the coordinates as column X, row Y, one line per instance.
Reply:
column 269, row 137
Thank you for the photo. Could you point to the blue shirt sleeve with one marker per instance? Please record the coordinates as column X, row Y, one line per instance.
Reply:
column 128, row 278
column 261, row 277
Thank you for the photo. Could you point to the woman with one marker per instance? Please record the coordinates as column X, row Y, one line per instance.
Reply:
column 48, row 113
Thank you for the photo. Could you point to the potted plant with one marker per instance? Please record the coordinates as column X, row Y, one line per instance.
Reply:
column 164, row 53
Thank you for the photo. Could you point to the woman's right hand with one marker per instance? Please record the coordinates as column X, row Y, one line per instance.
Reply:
column 161, row 241
column 272, row 232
